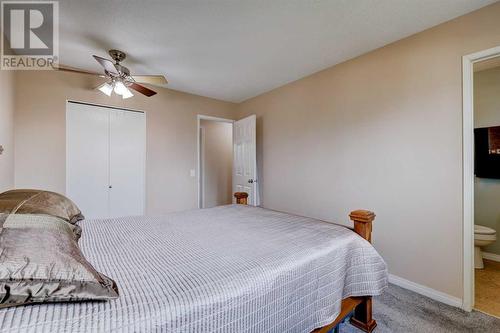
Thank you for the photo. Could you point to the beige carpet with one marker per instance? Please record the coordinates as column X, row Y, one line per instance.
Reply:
column 488, row 288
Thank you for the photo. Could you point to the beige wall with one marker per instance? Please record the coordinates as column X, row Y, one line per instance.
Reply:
column 486, row 114
column 6, row 129
column 171, row 135
column 217, row 152
column 382, row 132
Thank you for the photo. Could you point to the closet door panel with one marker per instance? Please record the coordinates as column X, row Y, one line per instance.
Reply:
column 87, row 129
column 127, row 162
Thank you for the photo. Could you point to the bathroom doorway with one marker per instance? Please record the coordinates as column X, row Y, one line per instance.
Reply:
column 486, row 87
column 482, row 182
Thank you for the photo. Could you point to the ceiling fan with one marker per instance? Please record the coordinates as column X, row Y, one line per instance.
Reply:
column 118, row 77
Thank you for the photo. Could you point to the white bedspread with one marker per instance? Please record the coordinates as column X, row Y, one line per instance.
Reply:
column 225, row 269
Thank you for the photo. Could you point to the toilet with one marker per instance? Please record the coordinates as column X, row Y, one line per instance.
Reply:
column 482, row 236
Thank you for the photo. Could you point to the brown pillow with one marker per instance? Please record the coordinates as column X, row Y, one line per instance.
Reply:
column 39, row 202
column 40, row 262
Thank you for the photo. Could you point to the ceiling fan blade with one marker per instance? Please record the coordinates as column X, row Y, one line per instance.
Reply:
column 107, row 64
column 75, row 70
column 143, row 90
column 158, row 80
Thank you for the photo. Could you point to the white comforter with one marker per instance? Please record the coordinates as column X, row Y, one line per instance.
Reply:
column 225, row 269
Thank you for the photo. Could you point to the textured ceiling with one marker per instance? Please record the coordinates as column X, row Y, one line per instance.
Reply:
column 236, row 49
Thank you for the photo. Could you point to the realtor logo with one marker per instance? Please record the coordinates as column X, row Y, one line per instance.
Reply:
column 30, row 35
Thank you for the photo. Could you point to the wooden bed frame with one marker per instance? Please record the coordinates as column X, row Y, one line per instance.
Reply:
column 361, row 306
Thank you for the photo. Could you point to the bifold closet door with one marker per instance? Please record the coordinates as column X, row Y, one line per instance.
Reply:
column 127, row 162
column 87, row 155
column 105, row 160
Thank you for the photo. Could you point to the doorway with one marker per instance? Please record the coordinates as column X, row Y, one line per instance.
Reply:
column 486, row 88
column 481, row 181
column 215, row 161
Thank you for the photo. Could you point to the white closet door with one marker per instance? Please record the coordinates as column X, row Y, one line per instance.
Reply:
column 127, row 162
column 87, row 136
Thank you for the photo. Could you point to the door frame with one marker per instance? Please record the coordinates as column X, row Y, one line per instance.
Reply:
column 199, row 118
column 115, row 108
column 468, row 62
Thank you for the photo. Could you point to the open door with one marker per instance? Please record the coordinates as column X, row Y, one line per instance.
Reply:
column 245, row 159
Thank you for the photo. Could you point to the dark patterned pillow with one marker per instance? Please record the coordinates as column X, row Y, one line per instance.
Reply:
column 40, row 262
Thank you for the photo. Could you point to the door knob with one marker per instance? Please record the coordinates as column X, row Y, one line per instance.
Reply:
column 110, row 186
column 251, row 181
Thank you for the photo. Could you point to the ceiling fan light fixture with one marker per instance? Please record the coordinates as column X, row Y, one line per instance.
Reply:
column 106, row 88
column 127, row 93
column 120, row 88
column 119, row 79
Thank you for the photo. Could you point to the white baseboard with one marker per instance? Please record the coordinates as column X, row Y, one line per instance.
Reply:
column 491, row 256
column 426, row 291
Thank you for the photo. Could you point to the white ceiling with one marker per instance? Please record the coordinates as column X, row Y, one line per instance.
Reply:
column 236, row 49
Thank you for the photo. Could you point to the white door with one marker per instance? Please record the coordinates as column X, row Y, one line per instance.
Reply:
column 105, row 160
column 127, row 131
column 87, row 151
column 245, row 159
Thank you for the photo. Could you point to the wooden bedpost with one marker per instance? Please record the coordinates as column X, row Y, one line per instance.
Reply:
column 363, row 223
column 362, row 317
column 241, row 198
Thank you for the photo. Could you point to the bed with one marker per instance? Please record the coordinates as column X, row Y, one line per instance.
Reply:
column 232, row 268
